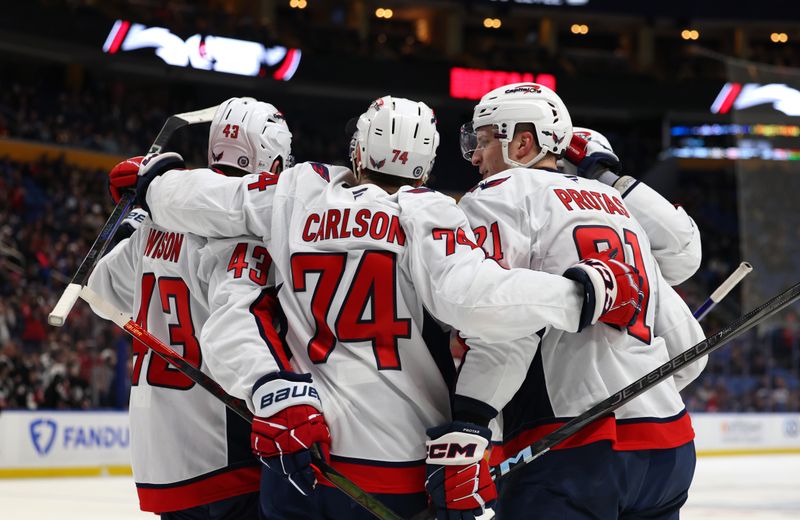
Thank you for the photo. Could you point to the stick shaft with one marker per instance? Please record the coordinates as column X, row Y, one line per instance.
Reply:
column 660, row 374
column 722, row 291
column 347, row 486
column 58, row 316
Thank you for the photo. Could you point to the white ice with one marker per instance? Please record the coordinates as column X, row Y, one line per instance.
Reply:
column 765, row 487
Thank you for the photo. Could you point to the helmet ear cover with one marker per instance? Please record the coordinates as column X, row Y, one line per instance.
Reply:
column 249, row 135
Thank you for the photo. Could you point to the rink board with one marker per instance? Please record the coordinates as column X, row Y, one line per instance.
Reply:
column 746, row 433
column 78, row 443
column 64, row 443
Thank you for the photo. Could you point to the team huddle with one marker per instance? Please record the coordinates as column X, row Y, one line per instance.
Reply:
column 327, row 299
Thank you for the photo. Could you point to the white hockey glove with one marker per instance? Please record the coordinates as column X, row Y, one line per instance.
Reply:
column 612, row 289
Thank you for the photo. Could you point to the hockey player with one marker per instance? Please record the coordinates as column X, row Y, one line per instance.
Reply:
column 372, row 264
column 674, row 237
column 638, row 463
column 191, row 456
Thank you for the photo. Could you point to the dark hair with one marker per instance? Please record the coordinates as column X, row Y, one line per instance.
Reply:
column 527, row 127
column 229, row 171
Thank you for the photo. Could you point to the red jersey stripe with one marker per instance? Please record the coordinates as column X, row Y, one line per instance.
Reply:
column 198, row 492
column 625, row 436
column 382, row 479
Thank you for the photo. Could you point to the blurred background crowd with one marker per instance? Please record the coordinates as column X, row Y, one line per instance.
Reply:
column 75, row 97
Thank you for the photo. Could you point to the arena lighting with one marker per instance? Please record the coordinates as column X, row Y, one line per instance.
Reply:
column 579, row 29
column 474, row 83
column 735, row 153
column 779, row 37
column 690, row 34
column 739, row 96
column 492, row 23
column 756, row 130
column 204, row 52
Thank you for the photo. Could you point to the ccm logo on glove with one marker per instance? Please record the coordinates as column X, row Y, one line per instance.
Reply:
column 451, row 451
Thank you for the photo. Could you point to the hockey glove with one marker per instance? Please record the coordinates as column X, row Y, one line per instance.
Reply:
column 590, row 158
column 131, row 223
column 612, row 289
column 123, row 177
column 152, row 166
column 288, row 421
column 136, row 174
column 458, row 478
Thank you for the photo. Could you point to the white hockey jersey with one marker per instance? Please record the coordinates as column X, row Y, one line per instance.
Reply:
column 188, row 449
column 547, row 221
column 674, row 237
column 367, row 278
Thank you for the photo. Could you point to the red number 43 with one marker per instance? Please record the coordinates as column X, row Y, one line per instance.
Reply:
column 231, row 131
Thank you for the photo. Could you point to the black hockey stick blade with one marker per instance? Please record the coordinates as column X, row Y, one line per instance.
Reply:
column 58, row 316
column 347, row 486
column 660, row 374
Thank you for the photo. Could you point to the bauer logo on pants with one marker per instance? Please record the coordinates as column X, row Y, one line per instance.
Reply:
column 43, row 433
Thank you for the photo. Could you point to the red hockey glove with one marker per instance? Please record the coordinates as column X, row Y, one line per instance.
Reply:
column 590, row 158
column 288, row 422
column 137, row 173
column 612, row 289
column 458, row 479
column 123, row 177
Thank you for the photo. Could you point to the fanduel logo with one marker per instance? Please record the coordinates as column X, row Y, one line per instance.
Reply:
column 43, row 434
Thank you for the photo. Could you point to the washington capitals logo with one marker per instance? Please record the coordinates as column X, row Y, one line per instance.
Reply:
column 531, row 88
column 377, row 164
column 556, row 140
column 43, row 433
column 217, row 157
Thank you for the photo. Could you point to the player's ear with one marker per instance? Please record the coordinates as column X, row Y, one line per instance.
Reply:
column 526, row 143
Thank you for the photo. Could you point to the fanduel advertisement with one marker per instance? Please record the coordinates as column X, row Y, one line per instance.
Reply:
column 746, row 432
column 36, row 439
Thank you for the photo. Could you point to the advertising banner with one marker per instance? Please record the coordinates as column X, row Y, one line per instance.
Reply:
column 63, row 442
column 729, row 433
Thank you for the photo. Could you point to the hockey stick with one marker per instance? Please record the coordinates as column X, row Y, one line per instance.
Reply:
column 70, row 295
column 344, row 484
column 660, row 374
column 722, row 291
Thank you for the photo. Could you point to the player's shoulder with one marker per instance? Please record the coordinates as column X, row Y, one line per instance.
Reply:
column 422, row 196
column 514, row 182
column 323, row 171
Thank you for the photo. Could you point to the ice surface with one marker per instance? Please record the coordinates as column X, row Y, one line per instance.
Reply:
column 765, row 487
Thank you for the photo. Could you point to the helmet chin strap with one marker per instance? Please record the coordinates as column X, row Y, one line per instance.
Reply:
column 515, row 164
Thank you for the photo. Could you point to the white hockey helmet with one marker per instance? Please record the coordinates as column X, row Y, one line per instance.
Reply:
column 249, row 135
column 507, row 106
column 396, row 136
